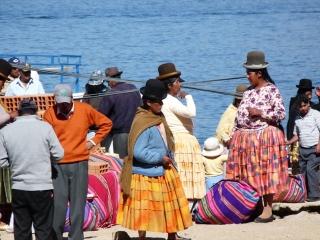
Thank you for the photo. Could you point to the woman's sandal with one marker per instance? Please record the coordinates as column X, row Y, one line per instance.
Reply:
column 264, row 220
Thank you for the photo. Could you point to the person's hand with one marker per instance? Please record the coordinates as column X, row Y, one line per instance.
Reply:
column 166, row 161
column 89, row 145
column 318, row 91
column 254, row 112
column 318, row 149
column 182, row 94
column 13, row 115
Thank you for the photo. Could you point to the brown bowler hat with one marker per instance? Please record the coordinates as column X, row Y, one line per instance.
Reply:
column 168, row 70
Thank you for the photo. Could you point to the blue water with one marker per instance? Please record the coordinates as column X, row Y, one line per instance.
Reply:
column 206, row 39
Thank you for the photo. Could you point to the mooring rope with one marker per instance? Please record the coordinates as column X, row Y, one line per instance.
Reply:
column 102, row 78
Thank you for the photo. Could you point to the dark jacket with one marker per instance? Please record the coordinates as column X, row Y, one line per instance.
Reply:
column 121, row 108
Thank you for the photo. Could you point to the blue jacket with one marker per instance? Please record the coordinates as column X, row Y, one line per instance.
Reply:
column 148, row 152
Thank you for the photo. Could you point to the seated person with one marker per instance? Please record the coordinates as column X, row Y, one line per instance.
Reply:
column 214, row 157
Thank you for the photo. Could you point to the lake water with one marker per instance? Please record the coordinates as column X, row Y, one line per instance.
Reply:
column 206, row 39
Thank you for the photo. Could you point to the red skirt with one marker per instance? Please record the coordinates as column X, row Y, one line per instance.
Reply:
column 260, row 158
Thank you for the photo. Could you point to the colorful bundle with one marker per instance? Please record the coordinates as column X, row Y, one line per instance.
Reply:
column 296, row 191
column 226, row 202
column 101, row 210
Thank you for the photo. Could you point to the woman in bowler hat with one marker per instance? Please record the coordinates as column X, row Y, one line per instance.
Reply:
column 257, row 151
column 180, row 120
column 152, row 194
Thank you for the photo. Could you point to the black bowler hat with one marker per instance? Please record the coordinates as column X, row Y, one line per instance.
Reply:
column 305, row 84
column 154, row 90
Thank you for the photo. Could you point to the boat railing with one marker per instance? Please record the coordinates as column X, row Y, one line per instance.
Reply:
column 50, row 63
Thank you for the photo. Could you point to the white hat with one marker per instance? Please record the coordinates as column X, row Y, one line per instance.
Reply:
column 212, row 147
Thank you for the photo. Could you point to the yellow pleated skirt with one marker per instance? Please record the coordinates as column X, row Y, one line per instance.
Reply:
column 190, row 165
column 156, row 204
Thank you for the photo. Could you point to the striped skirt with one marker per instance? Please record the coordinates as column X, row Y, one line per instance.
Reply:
column 260, row 158
column 190, row 165
column 156, row 204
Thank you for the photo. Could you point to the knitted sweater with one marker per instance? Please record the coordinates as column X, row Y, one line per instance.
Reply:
column 72, row 132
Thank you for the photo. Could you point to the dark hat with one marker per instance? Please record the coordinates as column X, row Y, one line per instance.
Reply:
column 27, row 103
column 154, row 90
column 240, row 89
column 305, row 84
column 14, row 61
column 168, row 70
column 5, row 69
column 113, row 72
column 255, row 60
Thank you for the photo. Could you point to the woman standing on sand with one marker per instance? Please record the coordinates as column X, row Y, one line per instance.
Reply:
column 153, row 197
column 180, row 120
column 257, row 150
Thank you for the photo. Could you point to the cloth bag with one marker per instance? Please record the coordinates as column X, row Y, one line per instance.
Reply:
column 101, row 210
column 227, row 202
column 296, row 190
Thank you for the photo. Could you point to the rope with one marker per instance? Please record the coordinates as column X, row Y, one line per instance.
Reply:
column 78, row 75
column 216, row 80
column 110, row 93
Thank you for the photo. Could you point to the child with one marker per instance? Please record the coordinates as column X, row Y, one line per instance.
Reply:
column 307, row 132
column 214, row 157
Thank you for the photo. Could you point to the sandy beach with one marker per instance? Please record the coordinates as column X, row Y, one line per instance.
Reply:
column 294, row 221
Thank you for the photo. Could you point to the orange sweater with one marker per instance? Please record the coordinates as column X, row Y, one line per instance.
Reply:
column 72, row 132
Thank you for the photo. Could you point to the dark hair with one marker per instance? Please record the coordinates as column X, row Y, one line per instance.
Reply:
column 167, row 82
column 27, row 111
column 93, row 89
column 302, row 99
column 302, row 91
column 266, row 76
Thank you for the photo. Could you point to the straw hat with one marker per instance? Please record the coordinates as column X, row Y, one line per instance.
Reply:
column 212, row 147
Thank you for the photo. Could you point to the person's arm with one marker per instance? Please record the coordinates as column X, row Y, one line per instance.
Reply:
column 3, row 153
column 295, row 136
column 188, row 111
column 278, row 112
column 9, row 91
column 103, row 124
column 4, row 116
column 56, row 150
column 294, row 139
column 142, row 153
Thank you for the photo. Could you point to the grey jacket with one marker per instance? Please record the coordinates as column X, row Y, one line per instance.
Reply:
column 28, row 146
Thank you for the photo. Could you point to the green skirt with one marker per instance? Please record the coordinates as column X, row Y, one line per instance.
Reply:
column 5, row 186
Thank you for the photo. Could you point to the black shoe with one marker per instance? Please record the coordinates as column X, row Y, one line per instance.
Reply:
column 264, row 220
column 313, row 199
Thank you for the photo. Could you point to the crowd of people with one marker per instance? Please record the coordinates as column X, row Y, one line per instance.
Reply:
column 165, row 169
